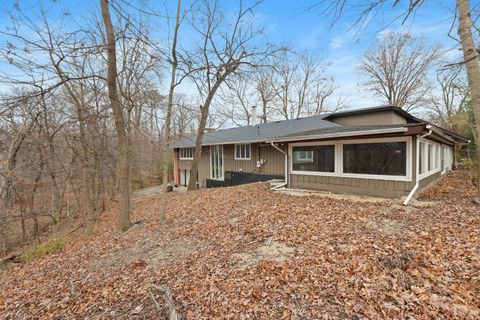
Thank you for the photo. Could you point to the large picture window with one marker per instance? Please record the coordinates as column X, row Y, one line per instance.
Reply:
column 314, row 158
column 382, row 158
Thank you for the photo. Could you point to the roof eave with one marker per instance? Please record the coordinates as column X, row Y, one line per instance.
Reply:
column 339, row 135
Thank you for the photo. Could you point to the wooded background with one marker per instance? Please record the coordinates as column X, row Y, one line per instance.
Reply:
column 89, row 106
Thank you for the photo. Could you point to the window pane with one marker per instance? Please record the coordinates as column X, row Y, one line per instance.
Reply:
column 430, row 157
column 387, row 158
column 421, row 157
column 314, row 158
column 442, row 157
column 242, row 151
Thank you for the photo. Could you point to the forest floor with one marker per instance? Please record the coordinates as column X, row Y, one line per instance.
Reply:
column 250, row 253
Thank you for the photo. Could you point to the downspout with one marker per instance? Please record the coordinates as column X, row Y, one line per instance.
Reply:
column 286, row 167
column 417, row 166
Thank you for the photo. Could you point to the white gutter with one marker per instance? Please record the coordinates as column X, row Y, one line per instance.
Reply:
column 286, row 167
column 417, row 175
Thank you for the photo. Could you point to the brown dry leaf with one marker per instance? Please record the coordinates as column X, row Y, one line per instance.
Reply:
column 332, row 263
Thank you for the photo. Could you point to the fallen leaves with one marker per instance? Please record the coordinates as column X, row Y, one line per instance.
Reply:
column 308, row 257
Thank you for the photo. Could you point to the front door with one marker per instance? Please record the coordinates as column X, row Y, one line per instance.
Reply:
column 216, row 162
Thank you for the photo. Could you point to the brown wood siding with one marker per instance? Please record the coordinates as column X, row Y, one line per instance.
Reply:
column 203, row 166
column 274, row 164
column 240, row 165
column 274, row 161
column 383, row 117
column 370, row 187
column 427, row 182
column 363, row 186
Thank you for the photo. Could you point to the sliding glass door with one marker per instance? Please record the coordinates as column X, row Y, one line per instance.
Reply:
column 216, row 162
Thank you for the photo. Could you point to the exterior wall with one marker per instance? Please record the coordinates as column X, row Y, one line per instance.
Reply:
column 203, row 165
column 383, row 117
column 427, row 182
column 273, row 161
column 432, row 179
column 370, row 187
column 359, row 185
column 274, row 165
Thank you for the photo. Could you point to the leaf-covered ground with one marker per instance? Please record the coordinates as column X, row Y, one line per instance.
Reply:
column 251, row 253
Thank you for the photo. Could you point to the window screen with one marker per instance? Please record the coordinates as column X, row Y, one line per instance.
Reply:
column 421, row 157
column 384, row 158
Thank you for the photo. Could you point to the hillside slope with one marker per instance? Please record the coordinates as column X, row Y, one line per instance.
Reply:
column 248, row 252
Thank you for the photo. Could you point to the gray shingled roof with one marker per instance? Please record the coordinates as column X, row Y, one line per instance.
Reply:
column 314, row 127
column 341, row 129
column 260, row 132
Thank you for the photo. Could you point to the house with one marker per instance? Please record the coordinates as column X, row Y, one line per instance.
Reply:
column 380, row 151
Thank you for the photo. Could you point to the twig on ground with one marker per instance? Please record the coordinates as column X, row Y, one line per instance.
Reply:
column 168, row 301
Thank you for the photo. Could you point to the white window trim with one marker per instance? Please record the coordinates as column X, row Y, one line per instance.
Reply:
column 339, row 159
column 222, row 178
column 186, row 158
column 425, row 157
column 243, row 144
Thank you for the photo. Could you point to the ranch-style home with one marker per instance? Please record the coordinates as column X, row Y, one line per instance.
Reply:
column 380, row 151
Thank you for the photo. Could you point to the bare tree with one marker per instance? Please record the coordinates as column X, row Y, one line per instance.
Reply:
column 168, row 119
column 7, row 181
column 300, row 85
column 238, row 100
column 120, row 124
column 223, row 49
column 449, row 107
column 184, row 115
column 397, row 67
column 467, row 30
column 264, row 88
column 470, row 56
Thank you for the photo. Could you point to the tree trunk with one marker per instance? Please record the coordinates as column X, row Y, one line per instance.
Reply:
column 168, row 120
column 473, row 70
column 198, row 142
column 264, row 111
column 203, row 122
column 31, row 200
column 77, row 99
column 122, row 139
column 6, row 185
